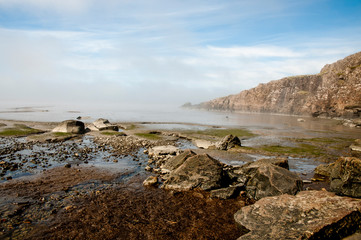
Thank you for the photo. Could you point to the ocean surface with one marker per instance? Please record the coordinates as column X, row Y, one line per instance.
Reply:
column 176, row 117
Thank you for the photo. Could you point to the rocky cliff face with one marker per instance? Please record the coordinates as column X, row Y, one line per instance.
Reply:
column 334, row 92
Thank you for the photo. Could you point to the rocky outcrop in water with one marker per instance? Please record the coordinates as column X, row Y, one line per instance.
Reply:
column 334, row 92
column 308, row 215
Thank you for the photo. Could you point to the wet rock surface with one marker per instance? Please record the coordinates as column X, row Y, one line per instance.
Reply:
column 308, row 215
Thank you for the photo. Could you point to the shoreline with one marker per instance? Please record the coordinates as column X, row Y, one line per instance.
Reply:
column 100, row 171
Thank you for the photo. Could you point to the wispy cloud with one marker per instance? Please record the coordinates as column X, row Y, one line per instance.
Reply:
column 160, row 51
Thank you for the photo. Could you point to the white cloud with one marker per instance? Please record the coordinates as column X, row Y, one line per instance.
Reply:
column 59, row 6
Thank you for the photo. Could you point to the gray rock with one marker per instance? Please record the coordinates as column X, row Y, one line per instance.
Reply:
column 103, row 124
column 70, row 126
column 199, row 171
column 270, row 180
column 228, row 142
column 308, row 215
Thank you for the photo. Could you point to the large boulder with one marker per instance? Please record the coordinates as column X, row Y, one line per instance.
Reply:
column 308, row 215
column 174, row 162
column 199, row 171
column 346, row 177
column 228, row 142
column 103, row 124
column 70, row 126
column 270, row 180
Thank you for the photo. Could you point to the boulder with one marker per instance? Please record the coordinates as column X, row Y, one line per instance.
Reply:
column 228, row 142
column 346, row 177
column 103, row 124
column 199, row 171
column 70, row 126
column 174, row 162
column 308, row 215
column 267, row 180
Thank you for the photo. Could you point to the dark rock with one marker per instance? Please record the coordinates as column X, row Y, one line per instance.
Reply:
column 346, row 177
column 68, row 165
column 70, row 126
column 228, row 142
column 225, row 193
column 199, row 171
column 270, row 180
column 308, row 215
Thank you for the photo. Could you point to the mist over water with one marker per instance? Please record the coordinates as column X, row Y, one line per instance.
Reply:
column 262, row 123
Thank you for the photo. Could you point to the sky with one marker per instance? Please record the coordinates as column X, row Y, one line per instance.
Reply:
column 165, row 52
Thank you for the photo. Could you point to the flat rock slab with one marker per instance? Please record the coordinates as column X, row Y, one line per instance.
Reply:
column 308, row 215
column 164, row 150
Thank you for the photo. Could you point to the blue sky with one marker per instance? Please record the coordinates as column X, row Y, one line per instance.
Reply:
column 164, row 51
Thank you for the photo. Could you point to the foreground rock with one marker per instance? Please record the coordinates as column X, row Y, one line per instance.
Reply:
column 103, row 124
column 199, row 171
column 344, row 175
column 70, row 126
column 308, row 215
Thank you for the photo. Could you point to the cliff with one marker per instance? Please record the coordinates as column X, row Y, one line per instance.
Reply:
column 334, row 92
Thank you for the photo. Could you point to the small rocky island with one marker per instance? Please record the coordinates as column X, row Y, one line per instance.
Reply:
column 105, row 180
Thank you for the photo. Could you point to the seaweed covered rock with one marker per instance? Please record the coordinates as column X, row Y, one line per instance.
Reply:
column 346, row 177
column 308, row 215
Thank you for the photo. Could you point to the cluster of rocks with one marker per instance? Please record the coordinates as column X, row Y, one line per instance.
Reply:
column 78, row 127
column 188, row 170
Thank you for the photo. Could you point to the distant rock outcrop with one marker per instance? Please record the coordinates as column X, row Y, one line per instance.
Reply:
column 334, row 92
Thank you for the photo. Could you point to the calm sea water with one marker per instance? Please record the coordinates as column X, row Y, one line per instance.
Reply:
column 268, row 124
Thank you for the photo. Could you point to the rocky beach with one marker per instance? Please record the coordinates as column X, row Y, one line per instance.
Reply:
column 132, row 180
